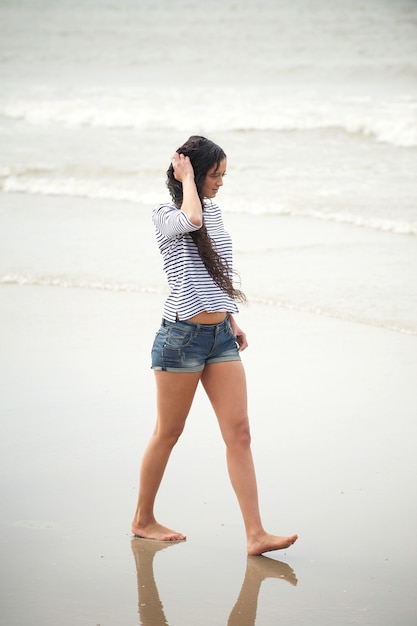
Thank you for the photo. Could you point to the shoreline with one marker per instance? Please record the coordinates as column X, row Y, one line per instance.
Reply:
column 293, row 263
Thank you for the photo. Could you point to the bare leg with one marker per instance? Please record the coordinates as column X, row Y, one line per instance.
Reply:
column 175, row 393
column 225, row 384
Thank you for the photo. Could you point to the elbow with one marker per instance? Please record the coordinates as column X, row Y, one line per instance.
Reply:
column 194, row 213
column 196, row 220
column 195, row 217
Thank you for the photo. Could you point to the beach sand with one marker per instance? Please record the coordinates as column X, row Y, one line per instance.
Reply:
column 333, row 408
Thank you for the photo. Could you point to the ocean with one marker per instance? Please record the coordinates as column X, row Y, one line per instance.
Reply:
column 314, row 102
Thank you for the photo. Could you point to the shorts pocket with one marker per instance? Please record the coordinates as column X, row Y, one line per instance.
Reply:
column 178, row 337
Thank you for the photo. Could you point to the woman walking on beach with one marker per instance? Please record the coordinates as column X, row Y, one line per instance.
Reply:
column 199, row 340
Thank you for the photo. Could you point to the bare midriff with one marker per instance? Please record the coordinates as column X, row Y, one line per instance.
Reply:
column 207, row 318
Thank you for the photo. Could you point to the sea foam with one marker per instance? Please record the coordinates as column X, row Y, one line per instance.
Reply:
column 391, row 121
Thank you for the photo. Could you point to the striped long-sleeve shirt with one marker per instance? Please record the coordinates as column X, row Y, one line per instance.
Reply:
column 192, row 288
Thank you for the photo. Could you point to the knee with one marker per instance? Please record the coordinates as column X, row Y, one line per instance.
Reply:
column 239, row 436
column 168, row 437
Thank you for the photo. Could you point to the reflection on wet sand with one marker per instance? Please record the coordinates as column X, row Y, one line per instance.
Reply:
column 258, row 568
column 151, row 611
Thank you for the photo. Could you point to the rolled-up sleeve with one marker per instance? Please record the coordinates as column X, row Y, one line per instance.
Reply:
column 171, row 221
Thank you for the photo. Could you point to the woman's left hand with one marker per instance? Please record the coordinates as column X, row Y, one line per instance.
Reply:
column 242, row 342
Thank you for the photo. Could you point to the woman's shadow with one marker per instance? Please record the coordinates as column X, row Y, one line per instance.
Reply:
column 258, row 568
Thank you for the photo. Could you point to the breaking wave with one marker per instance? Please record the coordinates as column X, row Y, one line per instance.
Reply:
column 125, row 186
column 393, row 122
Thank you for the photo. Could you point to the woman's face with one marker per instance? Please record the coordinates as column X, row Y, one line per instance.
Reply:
column 214, row 179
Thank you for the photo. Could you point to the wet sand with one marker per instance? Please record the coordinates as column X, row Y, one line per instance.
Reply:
column 333, row 413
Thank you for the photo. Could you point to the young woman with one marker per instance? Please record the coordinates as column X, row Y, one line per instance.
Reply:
column 199, row 340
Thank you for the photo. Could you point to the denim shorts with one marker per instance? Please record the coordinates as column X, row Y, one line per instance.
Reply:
column 187, row 347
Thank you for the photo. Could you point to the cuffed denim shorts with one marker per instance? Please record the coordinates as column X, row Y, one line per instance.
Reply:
column 187, row 347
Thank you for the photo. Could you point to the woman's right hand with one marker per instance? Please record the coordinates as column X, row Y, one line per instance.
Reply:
column 182, row 167
column 191, row 203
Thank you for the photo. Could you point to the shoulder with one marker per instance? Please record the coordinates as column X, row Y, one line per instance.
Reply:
column 165, row 212
column 211, row 207
column 163, row 209
column 171, row 221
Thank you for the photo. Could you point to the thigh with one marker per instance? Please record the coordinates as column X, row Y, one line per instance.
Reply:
column 225, row 385
column 174, row 395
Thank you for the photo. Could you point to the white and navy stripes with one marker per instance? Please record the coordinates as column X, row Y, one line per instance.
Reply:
column 192, row 288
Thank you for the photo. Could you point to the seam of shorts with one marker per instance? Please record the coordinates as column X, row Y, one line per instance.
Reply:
column 189, row 370
column 223, row 359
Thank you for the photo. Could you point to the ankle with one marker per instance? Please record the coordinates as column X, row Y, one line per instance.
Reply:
column 142, row 519
column 255, row 532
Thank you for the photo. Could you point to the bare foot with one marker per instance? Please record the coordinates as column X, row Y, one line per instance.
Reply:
column 157, row 532
column 267, row 543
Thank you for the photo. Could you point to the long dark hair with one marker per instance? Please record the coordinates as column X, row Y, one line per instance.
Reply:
column 204, row 154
